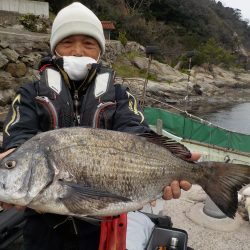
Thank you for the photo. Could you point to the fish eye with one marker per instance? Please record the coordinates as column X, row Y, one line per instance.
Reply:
column 10, row 164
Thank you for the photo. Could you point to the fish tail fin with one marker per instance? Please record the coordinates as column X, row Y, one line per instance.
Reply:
column 221, row 181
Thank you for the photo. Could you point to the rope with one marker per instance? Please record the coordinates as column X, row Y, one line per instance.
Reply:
column 186, row 113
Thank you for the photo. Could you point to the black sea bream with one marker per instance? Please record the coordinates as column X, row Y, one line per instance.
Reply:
column 95, row 172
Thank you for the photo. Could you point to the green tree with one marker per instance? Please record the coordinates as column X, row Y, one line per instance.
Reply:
column 213, row 53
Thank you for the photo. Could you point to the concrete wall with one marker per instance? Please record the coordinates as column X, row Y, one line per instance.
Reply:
column 25, row 7
column 8, row 18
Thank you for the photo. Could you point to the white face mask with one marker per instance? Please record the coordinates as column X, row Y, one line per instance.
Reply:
column 77, row 66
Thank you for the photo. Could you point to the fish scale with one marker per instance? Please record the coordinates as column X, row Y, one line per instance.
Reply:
column 97, row 174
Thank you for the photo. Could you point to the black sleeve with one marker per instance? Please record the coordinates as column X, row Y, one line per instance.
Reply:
column 22, row 121
column 129, row 115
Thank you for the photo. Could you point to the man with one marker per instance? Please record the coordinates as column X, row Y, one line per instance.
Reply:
column 74, row 90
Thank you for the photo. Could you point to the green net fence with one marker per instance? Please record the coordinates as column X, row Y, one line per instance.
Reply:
column 191, row 129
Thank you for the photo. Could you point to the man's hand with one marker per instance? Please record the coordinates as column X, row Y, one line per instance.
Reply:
column 7, row 206
column 4, row 205
column 173, row 191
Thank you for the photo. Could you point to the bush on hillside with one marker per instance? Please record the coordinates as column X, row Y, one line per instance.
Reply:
column 122, row 38
column 35, row 23
column 210, row 53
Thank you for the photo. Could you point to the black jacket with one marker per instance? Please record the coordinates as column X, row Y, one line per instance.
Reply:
column 27, row 116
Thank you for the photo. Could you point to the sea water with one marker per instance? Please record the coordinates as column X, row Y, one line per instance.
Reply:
column 236, row 118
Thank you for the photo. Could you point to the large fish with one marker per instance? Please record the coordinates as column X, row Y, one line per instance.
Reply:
column 95, row 172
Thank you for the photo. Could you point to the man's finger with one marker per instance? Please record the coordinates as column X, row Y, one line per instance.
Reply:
column 20, row 208
column 6, row 206
column 167, row 193
column 195, row 156
column 176, row 190
column 185, row 185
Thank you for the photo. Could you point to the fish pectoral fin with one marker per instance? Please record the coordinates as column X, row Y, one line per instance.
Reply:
column 84, row 199
column 84, row 192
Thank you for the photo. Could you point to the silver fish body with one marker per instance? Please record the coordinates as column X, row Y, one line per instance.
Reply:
column 94, row 172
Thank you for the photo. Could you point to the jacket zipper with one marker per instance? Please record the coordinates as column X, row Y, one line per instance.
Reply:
column 76, row 106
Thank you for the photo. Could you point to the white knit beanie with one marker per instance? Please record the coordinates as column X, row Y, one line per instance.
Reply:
column 76, row 19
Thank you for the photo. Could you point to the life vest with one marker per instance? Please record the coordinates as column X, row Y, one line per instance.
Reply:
column 56, row 107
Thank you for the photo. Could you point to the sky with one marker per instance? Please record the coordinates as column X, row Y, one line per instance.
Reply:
column 243, row 5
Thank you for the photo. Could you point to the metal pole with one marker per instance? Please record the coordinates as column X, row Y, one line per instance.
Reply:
column 159, row 126
column 146, row 82
column 189, row 73
column 189, row 68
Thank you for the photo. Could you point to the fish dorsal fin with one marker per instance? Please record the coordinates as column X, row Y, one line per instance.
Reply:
column 173, row 146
